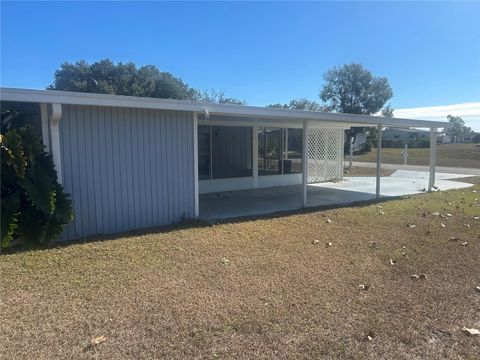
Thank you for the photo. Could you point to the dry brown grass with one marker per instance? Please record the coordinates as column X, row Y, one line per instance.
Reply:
column 174, row 294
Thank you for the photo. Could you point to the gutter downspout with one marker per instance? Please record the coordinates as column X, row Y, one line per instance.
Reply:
column 55, row 117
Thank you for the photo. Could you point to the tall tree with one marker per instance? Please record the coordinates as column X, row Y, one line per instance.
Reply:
column 299, row 104
column 353, row 89
column 106, row 77
column 459, row 128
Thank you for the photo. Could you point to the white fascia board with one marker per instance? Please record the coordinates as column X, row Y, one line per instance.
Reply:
column 76, row 98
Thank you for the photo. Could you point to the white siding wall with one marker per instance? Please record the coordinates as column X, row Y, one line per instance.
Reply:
column 126, row 168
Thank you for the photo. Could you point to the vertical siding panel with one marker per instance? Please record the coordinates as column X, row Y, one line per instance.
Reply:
column 136, row 166
column 104, row 174
column 116, row 170
column 125, row 173
column 77, row 173
column 164, row 169
column 66, row 162
column 153, row 167
column 126, row 168
column 158, row 168
column 148, row 167
column 111, row 181
column 89, row 169
column 82, row 175
column 96, row 156
column 172, row 155
column 130, row 120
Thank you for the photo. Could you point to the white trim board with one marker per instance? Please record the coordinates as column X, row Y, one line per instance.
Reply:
column 75, row 98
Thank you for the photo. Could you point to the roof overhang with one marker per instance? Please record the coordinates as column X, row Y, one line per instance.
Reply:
column 77, row 98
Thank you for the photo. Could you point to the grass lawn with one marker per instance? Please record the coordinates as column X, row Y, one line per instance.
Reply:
column 456, row 155
column 258, row 289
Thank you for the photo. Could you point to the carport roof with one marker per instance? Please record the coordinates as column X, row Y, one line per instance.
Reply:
column 78, row 98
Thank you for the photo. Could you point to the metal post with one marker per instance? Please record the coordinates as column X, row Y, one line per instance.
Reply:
column 255, row 156
column 351, row 152
column 305, row 164
column 433, row 158
column 379, row 161
column 405, row 155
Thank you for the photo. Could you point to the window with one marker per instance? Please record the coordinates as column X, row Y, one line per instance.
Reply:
column 224, row 152
column 204, row 163
column 279, row 151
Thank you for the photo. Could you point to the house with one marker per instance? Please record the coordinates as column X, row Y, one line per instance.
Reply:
column 131, row 162
column 405, row 135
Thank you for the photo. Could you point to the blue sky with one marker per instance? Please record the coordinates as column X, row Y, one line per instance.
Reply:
column 260, row 52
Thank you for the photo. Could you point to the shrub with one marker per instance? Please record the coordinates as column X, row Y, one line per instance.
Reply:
column 34, row 207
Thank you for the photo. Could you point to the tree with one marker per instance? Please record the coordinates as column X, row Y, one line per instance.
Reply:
column 387, row 111
column 34, row 206
column 218, row 97
column 353, row 89
column 106, row 77
column 299, row 104
column 459, row 130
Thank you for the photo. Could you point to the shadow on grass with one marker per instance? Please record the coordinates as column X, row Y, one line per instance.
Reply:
column 196, row 223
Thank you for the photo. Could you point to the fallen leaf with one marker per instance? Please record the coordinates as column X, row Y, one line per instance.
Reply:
column 404, row 254
column 476, row 217
column 411, row 226
column 477, row 289
column 379, row 206
column 393, row 262
column 381, row 212
column 465, row 243
column 471, row 332
column 435, row 213
column 225, row 261
column 467, row 226
column 329, row 221
column 315, row 242
column 363, row 287
column 329, row 244
column 373, row 244
column 442, row 225
column 454, row 238
column 414, row 277
column 98, row 340
column 449, row 215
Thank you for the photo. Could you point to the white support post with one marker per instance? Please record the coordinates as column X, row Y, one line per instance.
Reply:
column 351, row 152
column 405, row 154
column 305, row 164
column 255, row 156
column 433, row 158
column 379, row 162
column 45, row 127
column 55, row 117
column 195, row 165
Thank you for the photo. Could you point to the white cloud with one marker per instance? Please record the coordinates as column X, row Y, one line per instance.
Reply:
column 469, row 112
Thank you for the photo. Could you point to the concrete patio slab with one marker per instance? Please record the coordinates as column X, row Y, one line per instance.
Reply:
column 409, row 174
column 352, row 189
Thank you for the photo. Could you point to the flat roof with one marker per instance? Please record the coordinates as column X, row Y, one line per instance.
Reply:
column 79, row 98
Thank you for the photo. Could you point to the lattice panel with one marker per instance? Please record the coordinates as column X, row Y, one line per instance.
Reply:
column 324, row 155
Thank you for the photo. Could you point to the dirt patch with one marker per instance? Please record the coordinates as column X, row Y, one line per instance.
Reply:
column 271, row 288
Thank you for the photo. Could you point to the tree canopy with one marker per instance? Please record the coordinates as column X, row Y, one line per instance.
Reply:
column 459, row 128
column 353, row 89
column 299, row 104
column 106, row 77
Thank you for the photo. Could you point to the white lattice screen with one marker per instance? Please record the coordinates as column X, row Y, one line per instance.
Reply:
column 325, row 155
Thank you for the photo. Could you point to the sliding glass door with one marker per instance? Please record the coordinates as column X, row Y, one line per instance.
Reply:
column 224, row 152
column 279, row 151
